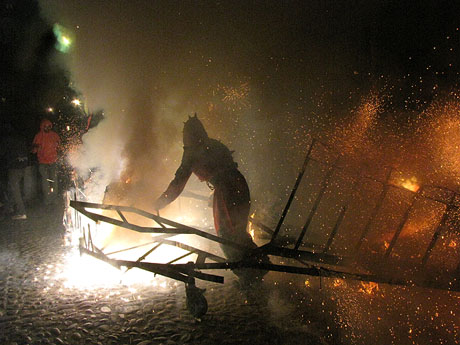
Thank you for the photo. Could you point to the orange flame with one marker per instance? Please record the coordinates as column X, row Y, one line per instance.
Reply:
column 251, row 229
column 338, row 282
column 369, row 287
column 411, row 184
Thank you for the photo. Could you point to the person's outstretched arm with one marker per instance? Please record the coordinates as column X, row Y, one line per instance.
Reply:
column 177, row 185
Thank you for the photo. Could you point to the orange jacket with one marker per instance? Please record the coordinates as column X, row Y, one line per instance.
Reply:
column 46, row 144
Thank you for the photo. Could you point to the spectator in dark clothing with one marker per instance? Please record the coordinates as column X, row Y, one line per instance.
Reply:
column 17, row 158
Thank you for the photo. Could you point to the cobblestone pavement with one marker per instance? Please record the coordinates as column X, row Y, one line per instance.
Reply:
column 36, row 308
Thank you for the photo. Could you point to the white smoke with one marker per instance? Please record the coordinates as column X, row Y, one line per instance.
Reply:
column 98, row 161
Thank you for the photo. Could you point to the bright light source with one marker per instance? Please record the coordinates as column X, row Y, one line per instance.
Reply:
column 63, row 39
column 49, row 110
column 411, row 184
column 66, row 41
column 76, row 102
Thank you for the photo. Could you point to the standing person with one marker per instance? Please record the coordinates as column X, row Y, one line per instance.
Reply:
column 17, row 158
column 212, row 162
column 46, row 144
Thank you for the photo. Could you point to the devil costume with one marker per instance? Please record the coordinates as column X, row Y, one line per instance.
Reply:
column 212, row 162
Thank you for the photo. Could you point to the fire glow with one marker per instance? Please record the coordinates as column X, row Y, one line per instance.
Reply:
column 251, row 228
column 87, row 273
column 411, row 184
column 369, row 287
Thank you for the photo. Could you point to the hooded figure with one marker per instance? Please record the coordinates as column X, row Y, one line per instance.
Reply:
column 212, row 162
column 45, row 145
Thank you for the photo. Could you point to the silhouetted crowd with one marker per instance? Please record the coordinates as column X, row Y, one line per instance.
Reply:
column 20, row 158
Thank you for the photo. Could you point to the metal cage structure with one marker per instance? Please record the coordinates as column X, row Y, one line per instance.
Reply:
column 343, row 232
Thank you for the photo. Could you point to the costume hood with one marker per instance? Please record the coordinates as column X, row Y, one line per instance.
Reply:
column 44, row 123
column 194, row 132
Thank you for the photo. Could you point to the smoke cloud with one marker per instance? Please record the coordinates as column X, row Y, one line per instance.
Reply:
column 261, row 84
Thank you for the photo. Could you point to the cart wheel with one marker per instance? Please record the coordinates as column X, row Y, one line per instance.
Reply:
column 197, row 304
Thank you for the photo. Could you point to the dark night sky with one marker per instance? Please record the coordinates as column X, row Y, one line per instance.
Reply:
column 123, row 44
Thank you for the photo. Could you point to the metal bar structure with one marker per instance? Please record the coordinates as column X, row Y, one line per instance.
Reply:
column 324, row 262
column 342, row 213
column 400, row 227
column 375, row 211
column 336, row 229
column 176, row 228
column 312, row 213
column 294, row 190
column 436, row 234
column 189, row 271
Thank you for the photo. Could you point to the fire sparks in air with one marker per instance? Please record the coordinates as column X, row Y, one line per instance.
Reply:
column 440, row 129
column 236, row 97
column 354, row 135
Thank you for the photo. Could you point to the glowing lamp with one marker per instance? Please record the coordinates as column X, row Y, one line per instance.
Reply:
column 63, row 40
